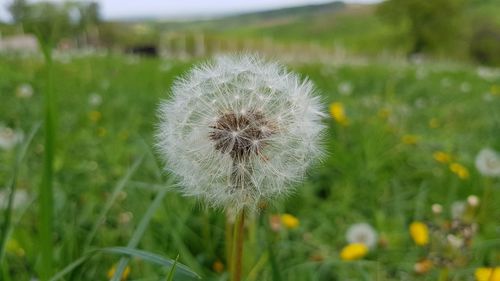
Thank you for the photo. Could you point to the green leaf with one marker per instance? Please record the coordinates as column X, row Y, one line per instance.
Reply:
column 152, row 258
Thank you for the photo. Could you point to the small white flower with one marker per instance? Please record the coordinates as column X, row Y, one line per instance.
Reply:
column 9, row 138
column 345, row 88
column 95, row 99
column 445, row 82
column 362, row 233
column 437, row 209
column 473, row 200
column 465, row 87
column 239, row 130
column 454, row 241
column 458, row 209
column 488, row 162
column 24, row 91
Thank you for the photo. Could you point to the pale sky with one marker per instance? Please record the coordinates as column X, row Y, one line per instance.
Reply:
column 112, row 9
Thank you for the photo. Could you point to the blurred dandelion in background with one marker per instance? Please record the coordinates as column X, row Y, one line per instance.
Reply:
column 362, row 233
column 488, row 162
column 24, row 91
column 9, row 137
column 354, row 251
column 337, row 112
column 419, row 232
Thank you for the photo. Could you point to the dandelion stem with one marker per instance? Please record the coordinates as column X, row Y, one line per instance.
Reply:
column 237, row 247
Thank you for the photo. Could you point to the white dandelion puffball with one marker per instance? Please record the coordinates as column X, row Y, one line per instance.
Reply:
column 488, row 162
column 239, row 130
column 362, row 233
column 24, row 91
column 9, row 138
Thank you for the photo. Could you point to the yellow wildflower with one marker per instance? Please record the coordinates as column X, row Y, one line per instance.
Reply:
column 353, row 251
column 14, row 247
column 102, row 132
column 460, row 170
column 384, row 113
column 95, row 116
column 433, row 123
column 487, row 274
column 338, row 113
column 495, row 90
column 410, row 139
column 442, row 157
column 218, row 266
column 125, row 274
column 289, row 221
column 419, row 233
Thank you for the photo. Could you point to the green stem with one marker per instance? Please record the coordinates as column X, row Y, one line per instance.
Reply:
column 237, row 247
column 487, row 193
column 443, row 274
column 46, row 186
column 229, row 242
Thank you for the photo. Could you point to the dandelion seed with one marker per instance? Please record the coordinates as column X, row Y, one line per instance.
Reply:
column 354, row 251
column 488, row 162
column 235, row 153
column 419, row 232
column 459, row 170
column 362, row 233
column 290, row 221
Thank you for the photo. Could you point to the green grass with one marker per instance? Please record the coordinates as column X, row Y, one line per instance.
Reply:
column 369, row 175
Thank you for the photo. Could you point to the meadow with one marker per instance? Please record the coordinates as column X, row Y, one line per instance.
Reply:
column 401, row 145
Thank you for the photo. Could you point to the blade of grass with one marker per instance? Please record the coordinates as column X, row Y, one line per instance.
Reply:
column 141, row 228
column 151, row 257
column 109, row 203
column 170, row 276
column 12, row 188
column 46, row 208
column 144, row 255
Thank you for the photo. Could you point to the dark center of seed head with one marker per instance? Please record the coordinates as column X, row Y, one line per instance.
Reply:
column 241, row 134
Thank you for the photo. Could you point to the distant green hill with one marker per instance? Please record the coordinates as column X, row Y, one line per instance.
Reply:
column 354, row 27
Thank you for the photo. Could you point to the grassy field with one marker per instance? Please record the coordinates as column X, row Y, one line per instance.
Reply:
column 380, row 169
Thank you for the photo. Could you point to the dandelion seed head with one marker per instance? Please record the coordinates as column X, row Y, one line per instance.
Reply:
column 239, row 130
column 362, row 233
column 488, row 162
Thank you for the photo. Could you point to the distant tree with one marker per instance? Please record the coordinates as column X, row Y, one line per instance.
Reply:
column 18, row 10
column 430, row 24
